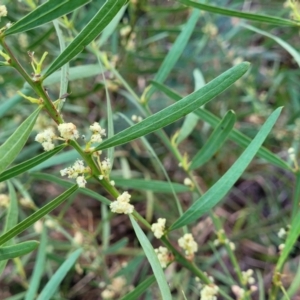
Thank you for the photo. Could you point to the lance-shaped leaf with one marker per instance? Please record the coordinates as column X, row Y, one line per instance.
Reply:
column 37, row 215
column 235, row 135
column 47, row 12
column 153, row 260
column 215, row 141
column 179, row 109
column 14, row 251
column 215, row 194
column 238, row 14
column 52, row 285
column 107, row 12
column 14, row 144
column 150, row 185
column 28, row 164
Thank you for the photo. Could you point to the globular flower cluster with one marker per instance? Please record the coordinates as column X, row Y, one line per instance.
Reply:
column 163, row 256
column 209, row 292
column 122, row 205
column 3, row 11
column 115, row 288
column 4, row 200
column 68, row 131
column 188, row 182
column 158, row 228
column 248, row 277
column 98, row 133
column 105, row 166
column 46, row 138
column 76, row 171
column 188, row 243
column 222, row 240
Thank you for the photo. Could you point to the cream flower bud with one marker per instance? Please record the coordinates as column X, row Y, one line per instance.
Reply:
column 3, row 11
column 209, row 292
column 68, row 131
column 80, row 180
column 121, row 205
column 96, row 128
column 48, row 146
column 4, row 200
column 281, row 233
column 188, row 244
column 163, row 256
column 158, row 228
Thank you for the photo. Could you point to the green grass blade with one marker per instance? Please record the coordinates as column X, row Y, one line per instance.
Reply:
column 153, row 260
column 179, row 109
column 38, row 271
column 30, row 163
column 294, row 53
column 37, row 215
column 290, row 242
column 47, row 12
column 104, row 16
column 52, row 285
column 235, row 13
column 14, row 144
column 235, row 135
column 11, row 218
column 175, row 52
column 215, row 141
column 150, row 185
column 140, row 289
column 17, row 250
column 224, row 184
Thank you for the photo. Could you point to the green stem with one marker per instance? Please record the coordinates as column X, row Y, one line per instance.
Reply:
column 36, row 85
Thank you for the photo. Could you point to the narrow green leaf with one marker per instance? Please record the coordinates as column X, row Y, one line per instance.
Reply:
column 150, row 185
column 28, row 164
column 47, row 12
column 179, row 109
column 291, row 239
column 215, row 194
column 239, row 14
column 104, row 16
column 52, row 285
column 38, row 271
column 215, row 141
column 235, row 135
column 14, row 144
column 37, row 215
column 17, row 250
column 292, row 51
column 175, row 52
column 153, row 260
column 11, row 218
column 140, row 289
